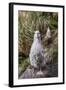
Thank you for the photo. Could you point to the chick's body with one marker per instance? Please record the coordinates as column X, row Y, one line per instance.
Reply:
column 37, row 51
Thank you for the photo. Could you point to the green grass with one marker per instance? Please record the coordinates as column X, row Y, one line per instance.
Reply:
column 23, row 65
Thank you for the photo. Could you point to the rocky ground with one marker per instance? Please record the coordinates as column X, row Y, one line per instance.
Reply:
column 48, row 71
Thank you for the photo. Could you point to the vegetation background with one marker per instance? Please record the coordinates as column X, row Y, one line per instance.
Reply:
column 28, row 23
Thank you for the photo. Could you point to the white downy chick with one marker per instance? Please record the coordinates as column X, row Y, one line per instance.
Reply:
column 48, row 33
column 36, row 49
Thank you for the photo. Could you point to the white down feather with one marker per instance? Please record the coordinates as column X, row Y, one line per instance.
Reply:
column 36, row 49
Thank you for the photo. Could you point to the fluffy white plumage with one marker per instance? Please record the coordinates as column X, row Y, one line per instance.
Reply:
column 36, row 49
column 48, row 33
